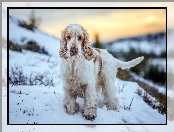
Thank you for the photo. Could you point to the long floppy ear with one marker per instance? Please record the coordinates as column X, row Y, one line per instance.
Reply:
column 63, row 45
column 88, row 51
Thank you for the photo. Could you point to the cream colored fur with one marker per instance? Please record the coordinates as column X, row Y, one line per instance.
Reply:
column 86, row 73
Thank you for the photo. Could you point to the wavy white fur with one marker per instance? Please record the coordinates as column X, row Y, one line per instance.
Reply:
column 88, row 72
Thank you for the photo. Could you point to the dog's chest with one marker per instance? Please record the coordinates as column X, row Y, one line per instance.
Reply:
column 74, row 80
column 74, row 73
column 76, row 87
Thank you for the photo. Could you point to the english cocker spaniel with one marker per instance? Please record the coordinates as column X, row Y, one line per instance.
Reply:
column 86, row 70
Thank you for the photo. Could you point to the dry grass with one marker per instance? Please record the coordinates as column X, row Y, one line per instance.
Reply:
column 139, row 91
column 150, row 101
column 152, row 91
column 160, row 97
column 17, row 77
column 124, row 75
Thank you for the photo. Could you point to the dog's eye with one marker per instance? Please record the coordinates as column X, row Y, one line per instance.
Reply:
column 68, row 37
column 80, row 38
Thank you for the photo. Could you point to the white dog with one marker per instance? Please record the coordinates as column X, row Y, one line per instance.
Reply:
column 85, row 70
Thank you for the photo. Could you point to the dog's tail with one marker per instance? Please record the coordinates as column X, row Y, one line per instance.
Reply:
column 129, row 64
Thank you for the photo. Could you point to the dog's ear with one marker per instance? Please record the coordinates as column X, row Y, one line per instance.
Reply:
column 88, row 51
column 63, row 45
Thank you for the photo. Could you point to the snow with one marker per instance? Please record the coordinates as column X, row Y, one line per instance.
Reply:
column 48, row 105
column 21, row 36
column 43, row 105
column 159, row 63
column 34, row 61
column 160, row 89
column 143, row 46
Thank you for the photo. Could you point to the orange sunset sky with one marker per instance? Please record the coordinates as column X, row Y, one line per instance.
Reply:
column 110, row 24
column 114, row 24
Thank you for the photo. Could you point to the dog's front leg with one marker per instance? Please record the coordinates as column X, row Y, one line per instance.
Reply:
column 90, row 102
column 70, row 102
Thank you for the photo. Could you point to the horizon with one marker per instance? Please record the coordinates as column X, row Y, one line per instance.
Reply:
column 53, row 23
column 112, row 24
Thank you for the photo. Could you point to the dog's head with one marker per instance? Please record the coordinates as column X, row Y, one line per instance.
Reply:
column 75, row 43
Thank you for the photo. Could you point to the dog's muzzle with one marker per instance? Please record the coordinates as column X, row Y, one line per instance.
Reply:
column 73, row 51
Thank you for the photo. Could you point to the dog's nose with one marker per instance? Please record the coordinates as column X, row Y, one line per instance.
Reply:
column 73, row 51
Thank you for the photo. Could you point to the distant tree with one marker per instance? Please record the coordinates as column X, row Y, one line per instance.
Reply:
column 34, row 21
column 97, row 44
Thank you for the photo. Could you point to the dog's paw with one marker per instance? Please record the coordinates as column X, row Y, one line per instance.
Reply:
column 89, row 113
column 112, row 106
column 72, row 109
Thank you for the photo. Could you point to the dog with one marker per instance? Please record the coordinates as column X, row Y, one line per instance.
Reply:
column 85, row 70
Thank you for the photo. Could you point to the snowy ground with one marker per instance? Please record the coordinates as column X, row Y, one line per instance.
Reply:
column 160, row 89
column 43, row 104
column 142, row 46
column 40, row 104
column 69, row 128
column 21, row 36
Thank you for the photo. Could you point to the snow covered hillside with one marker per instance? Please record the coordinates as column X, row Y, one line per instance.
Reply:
column 152, row 46
column 150, row 43
column 21, row 36
column 43, row 104
column 35, row 90
column 38, row 98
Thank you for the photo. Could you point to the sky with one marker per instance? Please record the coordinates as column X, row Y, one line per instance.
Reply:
column 109, row 24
